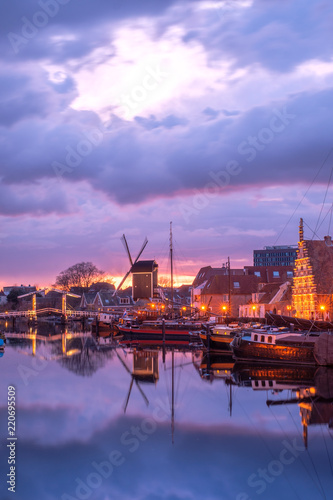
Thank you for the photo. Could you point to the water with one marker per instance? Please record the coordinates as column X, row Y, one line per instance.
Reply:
column 212, row 437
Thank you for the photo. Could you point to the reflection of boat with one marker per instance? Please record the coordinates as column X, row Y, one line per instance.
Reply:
column 216, row 366
column 268, row 347
column 276, row 377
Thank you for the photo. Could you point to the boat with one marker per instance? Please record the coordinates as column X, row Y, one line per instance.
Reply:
column 159, row 330
column 219, row 338
column 282, row 346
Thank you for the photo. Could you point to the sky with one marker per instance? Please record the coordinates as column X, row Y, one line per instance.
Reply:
column 119, row 117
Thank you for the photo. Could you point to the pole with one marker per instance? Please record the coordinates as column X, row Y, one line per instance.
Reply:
column 171, row 266
column 229, row 273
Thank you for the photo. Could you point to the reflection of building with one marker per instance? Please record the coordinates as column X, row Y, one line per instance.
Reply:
column 313, row 278
column 145, row 366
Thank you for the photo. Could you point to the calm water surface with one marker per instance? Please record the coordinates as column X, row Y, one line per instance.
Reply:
column 103, row 423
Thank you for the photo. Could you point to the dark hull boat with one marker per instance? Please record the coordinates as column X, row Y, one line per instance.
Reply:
column 300, row 323
column 172, row 331
column 282, row 347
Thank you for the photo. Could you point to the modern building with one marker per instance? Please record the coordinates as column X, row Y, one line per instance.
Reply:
column 275, row 256
column 312, row 292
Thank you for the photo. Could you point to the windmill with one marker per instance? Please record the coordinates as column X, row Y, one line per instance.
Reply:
column 124, row 241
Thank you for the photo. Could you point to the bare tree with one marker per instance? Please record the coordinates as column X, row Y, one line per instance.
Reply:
column 80, row 275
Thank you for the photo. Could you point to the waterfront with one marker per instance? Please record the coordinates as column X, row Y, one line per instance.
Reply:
column 76, row 441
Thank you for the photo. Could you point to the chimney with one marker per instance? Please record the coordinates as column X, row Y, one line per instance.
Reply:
column 328, row 241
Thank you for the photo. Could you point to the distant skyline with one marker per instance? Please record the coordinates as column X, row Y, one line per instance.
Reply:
column 121, row 117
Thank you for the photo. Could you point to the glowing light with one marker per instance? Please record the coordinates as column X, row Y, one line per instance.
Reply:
column 203, row 307
column 184, row 308
column 322, row 308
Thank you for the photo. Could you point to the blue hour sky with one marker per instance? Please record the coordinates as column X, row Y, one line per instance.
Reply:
column 118, row 117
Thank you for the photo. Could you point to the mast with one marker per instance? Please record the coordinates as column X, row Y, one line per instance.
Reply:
column 171, row 266
column 229, row 294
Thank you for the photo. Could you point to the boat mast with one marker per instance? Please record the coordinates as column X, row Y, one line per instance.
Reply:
column 171, row 265
column 229, row 294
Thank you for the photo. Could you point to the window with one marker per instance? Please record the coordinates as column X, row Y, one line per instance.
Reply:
column 256, row 338
column 276, row 274
column 236, row 284
column 262, row 338
column 289, row 274
column 257, row 273
column 270, row 340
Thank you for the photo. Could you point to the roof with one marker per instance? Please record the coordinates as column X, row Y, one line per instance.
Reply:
column 89, row 297
column 101, row 286
column 270, row 274
column 270, row 290
column 108, row 299
column 144, row 266
column 240, row 285
column 207, row 272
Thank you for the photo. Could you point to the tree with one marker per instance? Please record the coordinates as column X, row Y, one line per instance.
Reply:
column 80, row 275
column 12, row 296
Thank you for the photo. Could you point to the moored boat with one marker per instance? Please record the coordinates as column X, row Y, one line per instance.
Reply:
column 282, row 347
column 172, row 330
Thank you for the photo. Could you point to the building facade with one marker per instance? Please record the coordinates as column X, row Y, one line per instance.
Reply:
column 312, row 292
column 275, row 256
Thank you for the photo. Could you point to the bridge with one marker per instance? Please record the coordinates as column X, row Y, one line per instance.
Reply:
column 64, row 311
column 32, row 313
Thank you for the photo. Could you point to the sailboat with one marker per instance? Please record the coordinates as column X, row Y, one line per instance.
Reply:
column 161, row 330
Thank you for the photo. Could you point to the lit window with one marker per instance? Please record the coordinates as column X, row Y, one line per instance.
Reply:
column 276, row 274
column 236, row 284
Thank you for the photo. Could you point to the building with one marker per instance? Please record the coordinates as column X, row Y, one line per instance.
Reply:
column 270, row 297
column 22, row 288
column 312, row 292
column 144, row 279
column 203, row 276
column 214, row 293
column 3, row 298
column 275, row 256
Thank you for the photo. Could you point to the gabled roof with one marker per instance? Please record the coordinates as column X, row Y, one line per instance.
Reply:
column 107, row 299
column 89, row 297
column 144, row 266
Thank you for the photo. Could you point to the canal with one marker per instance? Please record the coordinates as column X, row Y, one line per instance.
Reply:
column 103, row 422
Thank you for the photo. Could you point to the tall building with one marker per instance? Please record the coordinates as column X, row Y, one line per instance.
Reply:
column 313, row 278
column 284, row 255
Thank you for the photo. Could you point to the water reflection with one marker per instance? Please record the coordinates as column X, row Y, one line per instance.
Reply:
column 187, row 425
